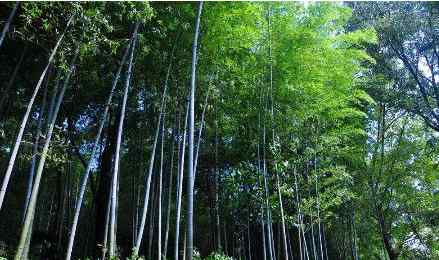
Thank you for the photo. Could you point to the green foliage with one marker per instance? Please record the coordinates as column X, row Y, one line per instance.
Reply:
column 133, row 256
column 218, row 256
column 212, row 256
column 297, row 87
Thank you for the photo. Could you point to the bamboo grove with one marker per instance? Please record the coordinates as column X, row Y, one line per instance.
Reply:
column 219, row 130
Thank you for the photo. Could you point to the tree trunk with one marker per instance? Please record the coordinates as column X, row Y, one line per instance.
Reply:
column 8, row 23
column 151, row 219
column 325, row 242
column 290, row 249
column 180, row 184
column 151, row 162
column 217, row 217
column 26, row 249
column 159, row 240
column 272, row 235
column 200, row 131
column 264, row 250
column 115, row 181
column 136, row 212
column 354, row 236
column 53, row 99
column 391, row 250
column 168, row 210
column 171, row 177
column 148, row 184
column 298, row 214
column 318, row 218
column 284, row 237
column 248, row 236
column 93, row 154
column 26, row 116
column 284, row 233
column 35, row 150
column 278, row 251
column 314, row 250
column 107, row 227
column 305, row 246
column 104, row 188
column 191, row 173
column 267, row 205
column 35, row 189
column 259, row 183
column 184, row 245
column 226, row 251
column 137, row 206
column 62, row 211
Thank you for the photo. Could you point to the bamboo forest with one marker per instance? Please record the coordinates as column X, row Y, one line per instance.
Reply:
column 219, row 130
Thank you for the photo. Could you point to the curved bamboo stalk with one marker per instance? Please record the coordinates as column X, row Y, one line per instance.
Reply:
column 151, row 163
column 26, row 116
column 118, row 144
column 33, row 200
column 93, row 154
column 180, row 184
column 191, row 173
column 8, row 23
column 159, row 242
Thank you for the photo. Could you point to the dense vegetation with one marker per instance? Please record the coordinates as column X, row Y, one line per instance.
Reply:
column 223, row 130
